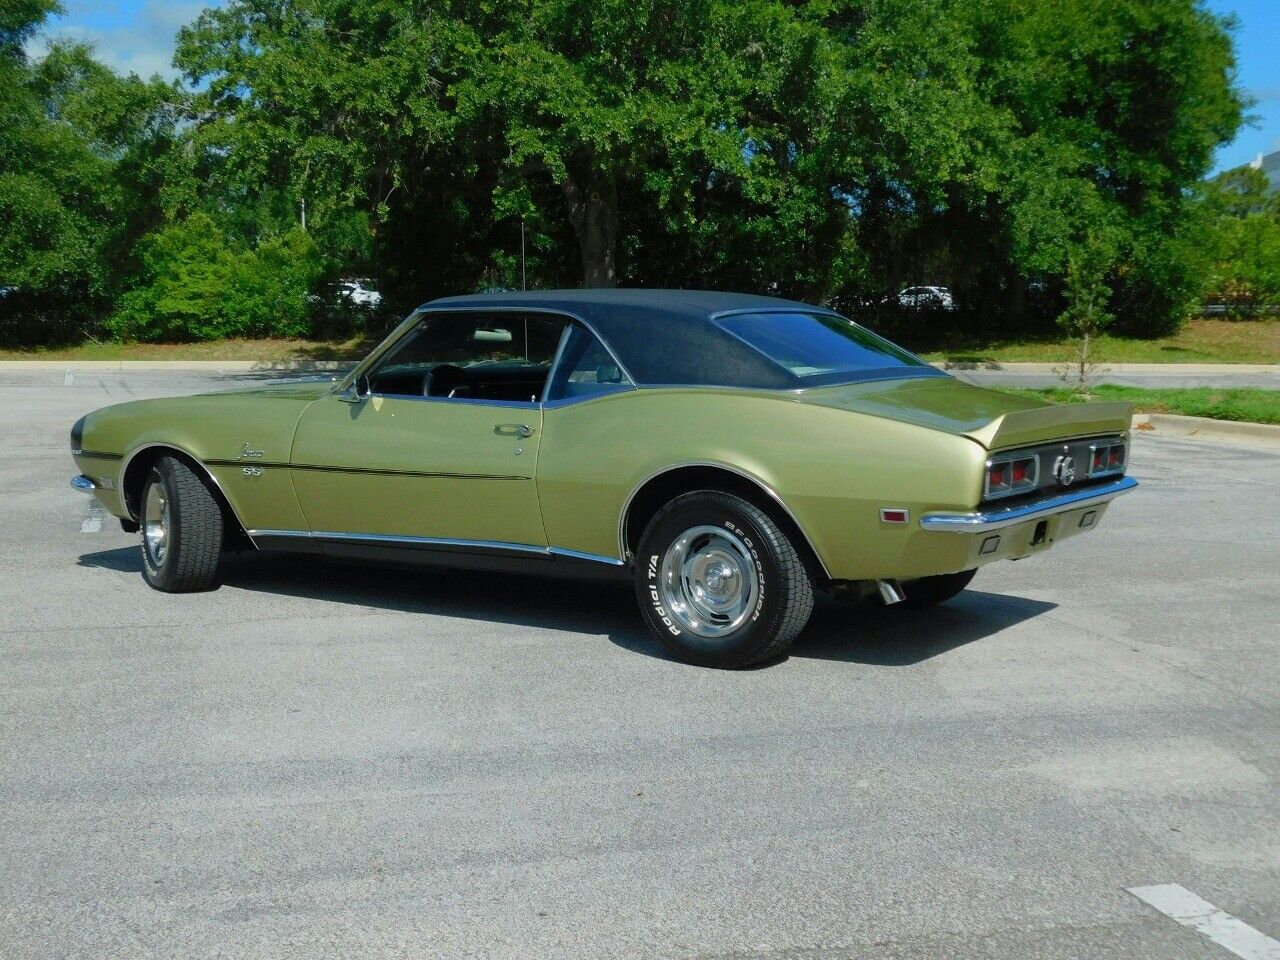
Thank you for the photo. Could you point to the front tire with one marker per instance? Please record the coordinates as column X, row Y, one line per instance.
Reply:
column 181, row 529
column 719, row 583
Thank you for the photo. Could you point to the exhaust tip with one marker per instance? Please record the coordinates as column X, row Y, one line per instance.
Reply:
column 890, row 592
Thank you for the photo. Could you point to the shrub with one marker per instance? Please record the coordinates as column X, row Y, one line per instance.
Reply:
column 196, row 286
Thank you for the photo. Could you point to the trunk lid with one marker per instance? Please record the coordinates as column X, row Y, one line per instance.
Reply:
column 992, row 418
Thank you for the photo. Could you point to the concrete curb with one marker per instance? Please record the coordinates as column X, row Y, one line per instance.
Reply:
column 1203, row 428
column 1173, row 369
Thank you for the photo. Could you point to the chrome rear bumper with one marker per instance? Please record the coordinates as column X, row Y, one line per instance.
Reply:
column 83, row 484
column 985, row 520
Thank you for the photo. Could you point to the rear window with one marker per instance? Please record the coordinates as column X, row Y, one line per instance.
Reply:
column 818, row 344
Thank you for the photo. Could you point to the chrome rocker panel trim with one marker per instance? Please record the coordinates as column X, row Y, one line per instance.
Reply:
column 441, row 542
column 983, row 521
column 83, row 484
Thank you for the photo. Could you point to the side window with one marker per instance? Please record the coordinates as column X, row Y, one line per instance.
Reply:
column 472, row 356
column 586, row 368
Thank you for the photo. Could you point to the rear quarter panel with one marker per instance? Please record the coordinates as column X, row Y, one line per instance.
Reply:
column 833, row 468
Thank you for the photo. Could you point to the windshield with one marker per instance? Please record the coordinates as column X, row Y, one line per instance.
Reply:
column 818, row 344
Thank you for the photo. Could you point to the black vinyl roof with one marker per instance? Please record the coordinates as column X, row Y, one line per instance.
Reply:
column 660, row 336
column 664, row 337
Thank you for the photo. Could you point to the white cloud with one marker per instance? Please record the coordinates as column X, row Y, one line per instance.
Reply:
column 130, row 37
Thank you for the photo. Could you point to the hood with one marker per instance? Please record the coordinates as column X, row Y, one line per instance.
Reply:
column 993, row 418
column 299, row 390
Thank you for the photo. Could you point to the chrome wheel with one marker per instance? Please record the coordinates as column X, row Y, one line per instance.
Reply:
column 155, row 523
column 708, row 581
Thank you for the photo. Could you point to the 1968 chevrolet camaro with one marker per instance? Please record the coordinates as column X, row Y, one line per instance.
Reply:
column 728, row 453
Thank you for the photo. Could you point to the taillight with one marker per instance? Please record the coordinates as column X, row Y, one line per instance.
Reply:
column 1008, row 477
column 998, row 478
column 1107, row 458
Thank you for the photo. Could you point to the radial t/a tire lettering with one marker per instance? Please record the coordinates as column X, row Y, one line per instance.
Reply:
column 719, row 583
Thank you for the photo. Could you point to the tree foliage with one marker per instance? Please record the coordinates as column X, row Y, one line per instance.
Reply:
column 1242, row 236
column 81, row 152
column 195, row 285
column 833, row 150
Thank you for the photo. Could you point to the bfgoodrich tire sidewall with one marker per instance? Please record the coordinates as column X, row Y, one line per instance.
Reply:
column 760, row 625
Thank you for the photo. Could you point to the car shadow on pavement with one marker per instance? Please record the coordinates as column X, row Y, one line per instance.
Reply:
column 863, row 632
column 870, row 633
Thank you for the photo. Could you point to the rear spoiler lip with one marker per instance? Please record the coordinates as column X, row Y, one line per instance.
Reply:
column 1024, row 428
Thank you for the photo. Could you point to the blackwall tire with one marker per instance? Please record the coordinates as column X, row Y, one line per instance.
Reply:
column 182, row 529
column 719, row 583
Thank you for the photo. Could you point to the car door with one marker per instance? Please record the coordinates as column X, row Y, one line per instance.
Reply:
column 438, row 446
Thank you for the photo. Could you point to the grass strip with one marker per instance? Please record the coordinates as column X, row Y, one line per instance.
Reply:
column 1246, row 404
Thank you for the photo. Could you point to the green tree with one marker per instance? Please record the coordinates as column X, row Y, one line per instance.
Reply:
column 1109, row 112
column 1088, row 294
column 196, row 285
column 78, row 149
column 1241, row 229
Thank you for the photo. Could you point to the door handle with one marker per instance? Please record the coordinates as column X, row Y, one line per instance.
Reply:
column 522, row 430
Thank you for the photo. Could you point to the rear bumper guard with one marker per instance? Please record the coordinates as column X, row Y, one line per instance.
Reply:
column 985, row 520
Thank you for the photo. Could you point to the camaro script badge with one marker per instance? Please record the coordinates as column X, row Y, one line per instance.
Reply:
column 248, row 453
column 1065, row 471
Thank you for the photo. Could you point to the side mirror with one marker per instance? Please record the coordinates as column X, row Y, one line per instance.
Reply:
column 358, row 391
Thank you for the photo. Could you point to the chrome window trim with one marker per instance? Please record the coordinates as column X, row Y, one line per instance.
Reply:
column 610, row 388
column 565, row 334
column 984, row 520
column 613, row 390
column 391, row 539
column 626, row 504
column 421, row 313
column 472, row 401
column 822, row 311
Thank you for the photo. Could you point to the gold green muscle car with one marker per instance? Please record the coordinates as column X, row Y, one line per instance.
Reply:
column 730, row 454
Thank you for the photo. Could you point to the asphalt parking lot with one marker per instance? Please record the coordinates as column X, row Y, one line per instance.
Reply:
column 320, row 760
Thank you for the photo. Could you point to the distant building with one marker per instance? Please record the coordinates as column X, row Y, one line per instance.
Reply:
column 1269, row 164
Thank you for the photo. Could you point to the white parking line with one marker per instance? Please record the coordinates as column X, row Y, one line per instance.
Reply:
column 92, row 522
column 1202, row 916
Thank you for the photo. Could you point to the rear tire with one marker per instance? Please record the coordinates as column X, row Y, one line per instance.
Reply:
column 181, row 524
column 931, row 591
column 719, row 583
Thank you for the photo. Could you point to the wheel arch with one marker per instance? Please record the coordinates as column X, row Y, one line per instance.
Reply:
column 133, row 474
column 659, row 488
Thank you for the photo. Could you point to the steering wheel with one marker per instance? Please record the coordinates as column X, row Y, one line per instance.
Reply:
column 443, row 380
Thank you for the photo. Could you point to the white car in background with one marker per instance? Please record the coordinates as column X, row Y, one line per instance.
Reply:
column 917, row 298
column 358, row 293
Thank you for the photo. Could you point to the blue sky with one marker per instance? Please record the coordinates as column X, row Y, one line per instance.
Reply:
column 138, row 35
